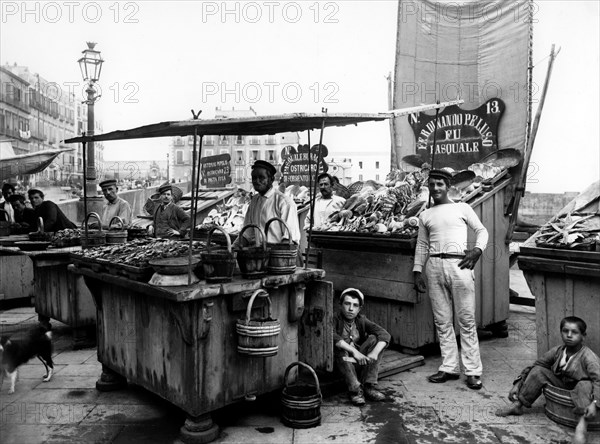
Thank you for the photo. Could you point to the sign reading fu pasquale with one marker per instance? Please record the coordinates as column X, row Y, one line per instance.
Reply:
column 215, row 170
column 463, row 136
column 301, row 163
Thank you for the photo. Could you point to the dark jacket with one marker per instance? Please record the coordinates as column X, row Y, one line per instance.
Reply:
column 2, row 213
column 26, row 217
column 171, row 216
column 363, row 325
column 54, row 218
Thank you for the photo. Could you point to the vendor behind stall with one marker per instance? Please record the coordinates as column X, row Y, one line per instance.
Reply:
column 115, row 206
column 25, row 220
column 54, row 219
column 326, row 203
column 268, row 203
column 170, row 221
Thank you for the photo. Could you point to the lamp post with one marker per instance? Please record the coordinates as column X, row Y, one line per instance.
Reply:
column 91, row 66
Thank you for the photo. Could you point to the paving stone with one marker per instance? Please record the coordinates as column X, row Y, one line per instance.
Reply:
column 250, row 435
column 98, row 434
column 517, row 434
column 70, row 382
column 349, row 433
column 148, row 434
column 25, row 433
column 424, row 432
column 131, row 395
column 45, row 413
column 22, row 388
column 75, row 356
column 125, row 414
column 83, row 370
column 81, row 396
column 36, row 370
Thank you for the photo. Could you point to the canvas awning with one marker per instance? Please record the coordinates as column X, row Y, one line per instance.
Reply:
column 245, row 126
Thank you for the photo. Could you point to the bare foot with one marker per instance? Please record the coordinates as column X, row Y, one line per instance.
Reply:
column 580, row 432
column 513, row 409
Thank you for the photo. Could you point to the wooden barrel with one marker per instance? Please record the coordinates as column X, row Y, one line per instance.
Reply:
column 282, row 256
column 117, row 234
column 253, row 260
column 559, row 408
column 92, row 238
column 258, row 337
column 218, row 265
column 301, row 403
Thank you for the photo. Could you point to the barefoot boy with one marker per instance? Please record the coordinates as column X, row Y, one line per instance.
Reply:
column 571, row 366
column 354, row 336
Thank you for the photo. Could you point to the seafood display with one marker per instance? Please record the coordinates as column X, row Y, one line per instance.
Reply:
column 578, row 231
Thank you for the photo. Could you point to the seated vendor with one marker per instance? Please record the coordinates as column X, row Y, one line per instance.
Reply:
column 571, row 366
column 170, row 221
column 355, row 336
column 25, row 220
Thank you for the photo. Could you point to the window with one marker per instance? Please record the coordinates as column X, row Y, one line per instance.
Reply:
column 254, row 156
column 223, row 140
column 179, row 157
column 271, row 139
column 239, row 140
column 208, row 153
column 239, row 174
column 360, row 166
column 377, row 165
column 271, row 156
column 178, row 141
column 254, row 140
column 360, row 177
column 377, row 177
column 208, row 140
column 224, row 151
column 239, row 157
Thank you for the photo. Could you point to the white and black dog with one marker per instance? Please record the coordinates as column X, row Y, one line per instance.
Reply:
column 23, row 346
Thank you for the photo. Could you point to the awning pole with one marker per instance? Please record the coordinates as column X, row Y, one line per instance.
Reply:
column 312, row 201
column 194, row 197
column 85, row 209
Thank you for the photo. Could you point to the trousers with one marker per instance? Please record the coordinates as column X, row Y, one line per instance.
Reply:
column 538, row 377
column 355, row 374
column 452, row 289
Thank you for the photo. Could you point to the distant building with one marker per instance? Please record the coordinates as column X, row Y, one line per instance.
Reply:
column 136, row 170
column 369, row 166
column 36, row 115
column 244, row 150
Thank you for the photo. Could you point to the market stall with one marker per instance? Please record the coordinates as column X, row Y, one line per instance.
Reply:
column 16, row 271
column 561, row 263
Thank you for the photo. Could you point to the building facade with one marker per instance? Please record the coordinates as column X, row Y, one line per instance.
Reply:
column 244, row 150
column 37, row 115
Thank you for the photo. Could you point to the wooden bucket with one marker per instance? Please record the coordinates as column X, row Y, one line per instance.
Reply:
column 282, row 256
column 301, row 403
column 258, row 337
column 116, row 235
column 559, row 408
column 253, row 260
column 40, row 235
column 93, row 238
column 218, row 265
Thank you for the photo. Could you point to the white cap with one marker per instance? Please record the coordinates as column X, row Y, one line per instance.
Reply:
column 354, row 292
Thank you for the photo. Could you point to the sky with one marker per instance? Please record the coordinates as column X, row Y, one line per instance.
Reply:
column 163, row 59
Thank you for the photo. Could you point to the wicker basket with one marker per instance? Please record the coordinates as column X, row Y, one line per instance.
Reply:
column 116, row 234
column 40, row 235
column 92, row 238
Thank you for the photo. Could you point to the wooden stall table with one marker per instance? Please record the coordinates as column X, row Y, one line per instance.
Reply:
column 564, row 283
column 181, row 342
column 381, row 266
column 16, row 271
column 59, row 294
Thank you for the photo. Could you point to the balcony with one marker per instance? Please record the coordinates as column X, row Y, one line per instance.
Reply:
column 8, row 98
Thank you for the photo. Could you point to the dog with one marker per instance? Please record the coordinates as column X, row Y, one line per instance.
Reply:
column 20, row 348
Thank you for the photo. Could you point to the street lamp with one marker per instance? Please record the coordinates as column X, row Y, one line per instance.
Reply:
column 91, row 66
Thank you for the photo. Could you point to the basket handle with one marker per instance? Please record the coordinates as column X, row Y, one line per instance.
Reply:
column 282, row 222
column 259, row 292
column 306, row 366
column 85, row 223
column 119, row 220
column 40, row 224
column 222, row 230
column 257, row 229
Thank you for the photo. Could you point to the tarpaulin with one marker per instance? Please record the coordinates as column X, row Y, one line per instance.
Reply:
column 475, row 50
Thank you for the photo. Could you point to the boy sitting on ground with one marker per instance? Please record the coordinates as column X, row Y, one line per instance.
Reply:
column 354, row 336
column 571, row 366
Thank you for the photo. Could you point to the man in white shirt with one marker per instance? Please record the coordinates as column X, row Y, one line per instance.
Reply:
column 268, row 203
column 8, row 190
column 115, row 206
column 442, row 244
column 326, row 203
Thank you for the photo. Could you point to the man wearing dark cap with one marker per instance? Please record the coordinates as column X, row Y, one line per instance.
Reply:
column 115, row 206
column 442, row 245
column 53, row 217
column 268, row 203
column 170, row 220
column 25, row 221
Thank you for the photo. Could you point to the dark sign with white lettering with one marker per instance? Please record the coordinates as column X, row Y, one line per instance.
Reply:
column 463, row 136
column 299, row 164
column 216, row 171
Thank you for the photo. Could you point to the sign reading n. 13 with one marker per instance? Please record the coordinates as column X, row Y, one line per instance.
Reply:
column 300, row 165
column 463, row 136
column 216, row 170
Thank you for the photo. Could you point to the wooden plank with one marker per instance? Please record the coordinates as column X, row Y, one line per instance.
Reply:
column 380, row 288
column 501, row 302
column 585, row 305
column 315, row 335
column 555, row 253
column 394, row 362
column 488, row 267
column 537, row 285
column 391, row 267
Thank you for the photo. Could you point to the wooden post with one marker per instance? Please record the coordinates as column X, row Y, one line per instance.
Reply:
column 520, row 188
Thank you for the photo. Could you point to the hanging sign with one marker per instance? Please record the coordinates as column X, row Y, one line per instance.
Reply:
column 463, row 137
column 301, row 163
column 215, row 171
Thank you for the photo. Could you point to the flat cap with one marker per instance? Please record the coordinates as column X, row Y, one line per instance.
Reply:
column 35, row 191
column 266, row 165
column 108, row 183
column 164, row 188
column 441, row 174
column 353, row 292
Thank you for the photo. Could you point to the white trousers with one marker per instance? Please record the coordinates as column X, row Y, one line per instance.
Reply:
column 449, row 285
